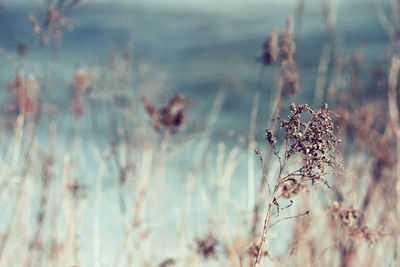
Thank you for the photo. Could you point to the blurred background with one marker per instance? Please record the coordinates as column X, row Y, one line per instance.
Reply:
column 128, row 131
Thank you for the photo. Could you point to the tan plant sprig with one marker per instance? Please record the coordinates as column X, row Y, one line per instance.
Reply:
column 313, row 139
column 310, row 136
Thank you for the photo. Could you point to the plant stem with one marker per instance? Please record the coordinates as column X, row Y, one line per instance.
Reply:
column 264, row 235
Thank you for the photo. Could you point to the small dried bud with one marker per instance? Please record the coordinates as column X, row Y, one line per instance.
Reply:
column 291, row 187
column 270, row 136
column 293, row 108
column 347, row 215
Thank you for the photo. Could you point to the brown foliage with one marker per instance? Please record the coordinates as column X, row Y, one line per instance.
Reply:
column 170, row 116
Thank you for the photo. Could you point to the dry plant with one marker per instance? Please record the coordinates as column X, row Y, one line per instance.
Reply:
column 311, row 141
column 53, row 196
column 171, row 116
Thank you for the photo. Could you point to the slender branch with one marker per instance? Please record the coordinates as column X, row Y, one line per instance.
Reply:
column 290, row 217
column 264, row 174
column 264, row 235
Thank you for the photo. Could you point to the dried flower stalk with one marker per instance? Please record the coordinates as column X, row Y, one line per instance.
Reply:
column 315, row 142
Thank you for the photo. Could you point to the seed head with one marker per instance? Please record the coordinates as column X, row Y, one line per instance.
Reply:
column 270, row 136
column 271, row 49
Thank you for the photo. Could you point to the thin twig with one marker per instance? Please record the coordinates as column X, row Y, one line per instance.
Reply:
column 290, row 217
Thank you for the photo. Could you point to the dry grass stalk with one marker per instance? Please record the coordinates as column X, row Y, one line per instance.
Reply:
column 24, row 90
column 287, row 85
column 82, row 86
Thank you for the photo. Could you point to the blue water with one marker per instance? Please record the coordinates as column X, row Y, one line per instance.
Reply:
column 193, row 51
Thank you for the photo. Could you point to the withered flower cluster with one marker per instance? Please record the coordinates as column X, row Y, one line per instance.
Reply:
column 367, row 124
column 170, row 116
column 207, row 247
column 271, row 49
column 270, row 136
column 313, row 139
column 82, row 85
column 24, row 89
column 348, row 216
column 284, row 53
column 76, row 189
column 291, row 187
column 254, row 250
column 368, row 234
column 290, row 80
column 287, row 45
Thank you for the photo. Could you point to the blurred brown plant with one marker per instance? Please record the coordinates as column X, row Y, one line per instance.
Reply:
column 347, row 215
column 35, row 24
column 207, row 246
column 284, row 52
column 290, row 81
column 271, row 49
column 82, row 85
column 167, row 262
column 291, row 187
column 287, row 45
column 24, row 89
column 170, row 116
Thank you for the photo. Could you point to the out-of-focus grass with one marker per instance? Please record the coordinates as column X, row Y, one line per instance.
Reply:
column 116, row 177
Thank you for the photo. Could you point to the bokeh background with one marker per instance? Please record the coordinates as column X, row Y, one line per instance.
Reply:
column 85, row 178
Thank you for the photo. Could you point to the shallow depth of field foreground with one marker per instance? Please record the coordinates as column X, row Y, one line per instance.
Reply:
column 199, row 133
